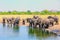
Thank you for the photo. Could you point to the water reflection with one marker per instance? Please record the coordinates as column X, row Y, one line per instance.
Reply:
column 40, row 33
column 16, row 28
column 11, row 27
column 26, row 33
column 4, row 24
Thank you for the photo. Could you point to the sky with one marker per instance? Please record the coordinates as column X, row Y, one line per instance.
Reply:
column 33, row 5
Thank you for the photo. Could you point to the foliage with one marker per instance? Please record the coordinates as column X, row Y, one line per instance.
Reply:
column 44, row 12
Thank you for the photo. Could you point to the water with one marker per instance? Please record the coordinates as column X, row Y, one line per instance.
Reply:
column 25, row 33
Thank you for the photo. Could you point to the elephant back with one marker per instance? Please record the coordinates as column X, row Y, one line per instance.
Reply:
column 49, row 17
column 46, row 21
column 51, row 20
column 39, row 20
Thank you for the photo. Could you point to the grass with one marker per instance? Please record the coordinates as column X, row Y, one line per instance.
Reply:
column 44, row 12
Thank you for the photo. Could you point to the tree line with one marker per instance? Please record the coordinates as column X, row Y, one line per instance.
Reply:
column 28, row 12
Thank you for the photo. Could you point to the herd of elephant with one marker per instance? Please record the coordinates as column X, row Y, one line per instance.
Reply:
column 43, row 23
column 14, row 21
column 34, row 22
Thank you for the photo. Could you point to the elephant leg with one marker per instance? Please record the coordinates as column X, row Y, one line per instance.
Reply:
column 3, row 23
column 56, row 22
column 42, row 25
column 47, row 25
column 39, row 26
column 51, row 23
column 30, row 24
column 14, row 24
column 35, row 25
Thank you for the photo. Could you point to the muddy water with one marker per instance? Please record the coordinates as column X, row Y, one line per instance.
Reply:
column 25, row 33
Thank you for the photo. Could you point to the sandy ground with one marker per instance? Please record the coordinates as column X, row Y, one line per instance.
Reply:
column 55, row 27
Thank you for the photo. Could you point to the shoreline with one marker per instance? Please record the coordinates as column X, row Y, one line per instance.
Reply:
column 55, row 27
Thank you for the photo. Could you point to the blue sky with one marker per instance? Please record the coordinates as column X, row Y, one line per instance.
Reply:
column 33, row 5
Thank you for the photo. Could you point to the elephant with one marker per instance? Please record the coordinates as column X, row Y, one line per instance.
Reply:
column 16, row 21
column 34, row 21
column 46, row 23
column 35, row 17
column 28, row 19
column 9, row 20
column 23, row 22
column 37, row 22
column 12, row 19
column 31, row 22
column 55, row 18
column 51, row 22
column 4, row 20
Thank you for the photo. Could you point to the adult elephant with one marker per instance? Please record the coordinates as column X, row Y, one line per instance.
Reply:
column 55, row 18
column 37, row 22
column 28, row 19
column 9, row 21
column 4, row 20
column 31, row 22
column 45, row 23
column 16, row 21
column 51, row 22
column 23, row 22
column 35, row 17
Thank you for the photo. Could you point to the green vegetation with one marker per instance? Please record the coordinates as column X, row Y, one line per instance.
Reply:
column 40, row 33
column 44, row 12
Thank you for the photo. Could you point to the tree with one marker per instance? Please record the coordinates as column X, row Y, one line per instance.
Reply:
column 29, row 12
